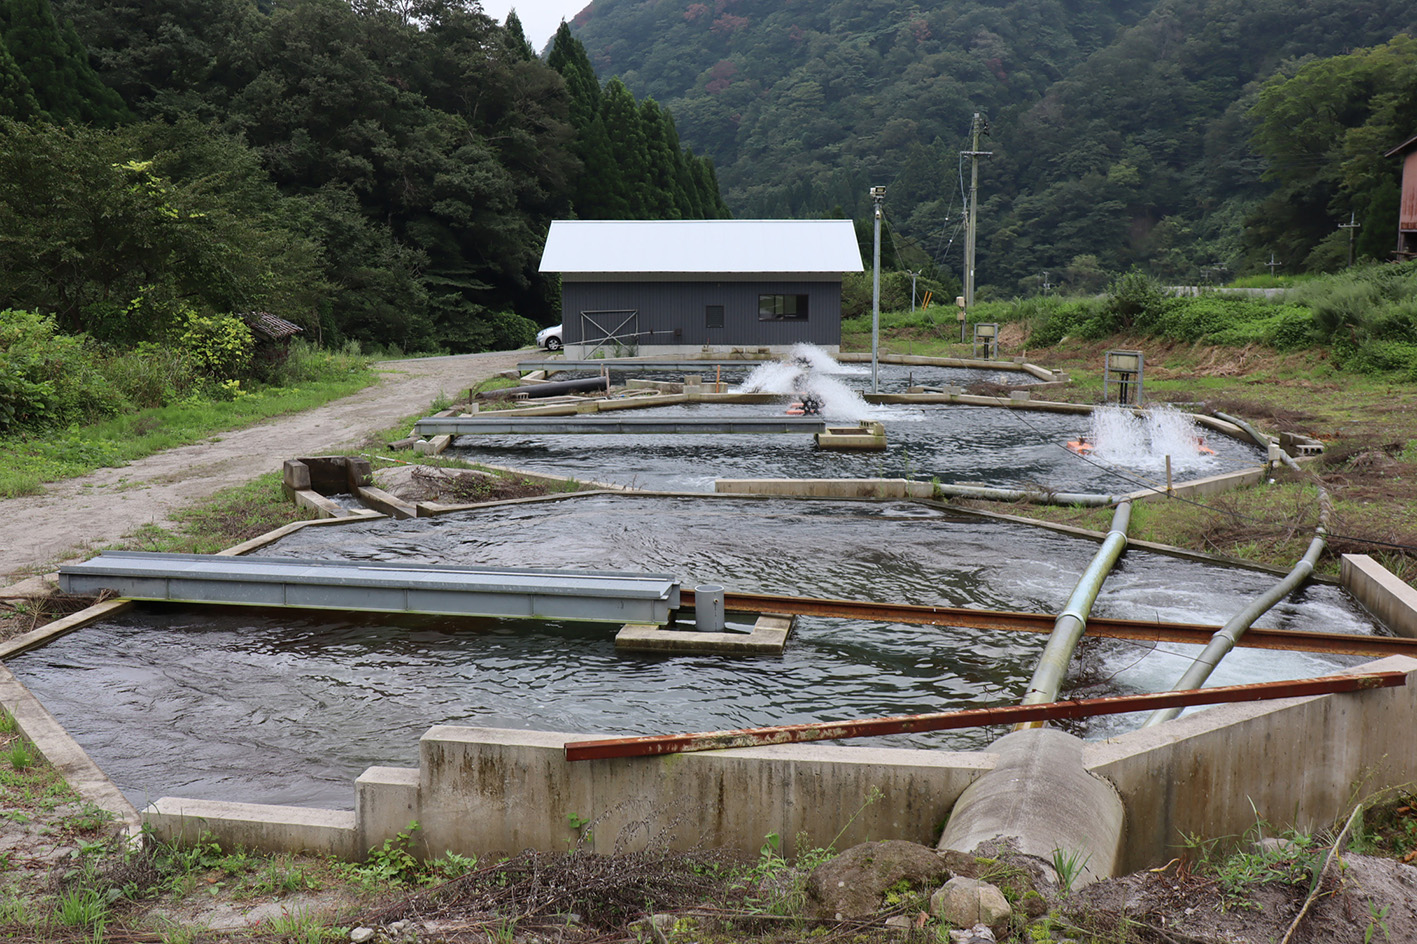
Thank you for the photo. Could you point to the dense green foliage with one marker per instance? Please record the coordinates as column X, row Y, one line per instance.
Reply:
column 381, row 171
column 1121, row 133
column 1366, row 317
column 632, row 166
column 1325, row 130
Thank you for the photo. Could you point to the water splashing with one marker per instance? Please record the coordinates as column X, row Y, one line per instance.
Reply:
column 1143, row 442
column 807, row 370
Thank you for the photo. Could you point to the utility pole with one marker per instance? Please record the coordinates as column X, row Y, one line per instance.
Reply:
column 979, row 126
column 878, row 196
column 1273, row 264
column 913, row 276
column 1047, row 285
column 1352, row 226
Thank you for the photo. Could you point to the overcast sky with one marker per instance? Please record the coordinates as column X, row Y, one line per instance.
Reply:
column 539, row 17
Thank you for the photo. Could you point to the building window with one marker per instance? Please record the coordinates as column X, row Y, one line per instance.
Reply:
column 713, row 316
column 782, row 307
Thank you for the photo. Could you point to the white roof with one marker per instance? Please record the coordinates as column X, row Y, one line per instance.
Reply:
column 701, row 246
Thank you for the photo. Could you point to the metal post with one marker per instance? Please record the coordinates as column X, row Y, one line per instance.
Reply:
column 878, row 196
column 979, row 126
column 1352, row 226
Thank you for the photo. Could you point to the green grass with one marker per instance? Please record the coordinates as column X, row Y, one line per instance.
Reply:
column 229, row 517
column 27, row 462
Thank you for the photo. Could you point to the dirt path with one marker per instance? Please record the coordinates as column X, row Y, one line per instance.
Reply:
column 39, row 532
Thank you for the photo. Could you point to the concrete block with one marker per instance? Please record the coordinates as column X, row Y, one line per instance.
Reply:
column 386, row 803
column 328, row 474
column 491, row 792
column 1020, row 396
column 358, row 472
column 1393, row 602
column 253, row 826
column 295, row 475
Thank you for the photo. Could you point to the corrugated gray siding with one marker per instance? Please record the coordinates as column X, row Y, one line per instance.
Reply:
column 666, row 306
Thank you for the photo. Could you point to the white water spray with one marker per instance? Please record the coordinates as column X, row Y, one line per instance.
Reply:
column 1143, row 442
column 807, row 370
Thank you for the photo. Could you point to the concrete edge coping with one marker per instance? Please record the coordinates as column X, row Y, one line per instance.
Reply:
column 1391, row 601
column 769, row 636
column 270, row 537
column 1205, row 485
column 433, row 509
column 36, row 638
column 255, row 826
column 55, row 744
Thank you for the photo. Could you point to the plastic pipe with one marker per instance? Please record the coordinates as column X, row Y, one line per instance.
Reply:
column 554, row 388
column 708, row 608
column 1042, row 498
column 1072, row 622
column 1228, row 635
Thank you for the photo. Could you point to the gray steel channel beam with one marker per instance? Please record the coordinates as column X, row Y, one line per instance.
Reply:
column 609, row 425
column 593, row 596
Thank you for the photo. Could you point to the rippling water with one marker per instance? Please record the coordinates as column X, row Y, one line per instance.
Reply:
column 290, row 707
column 954, row 444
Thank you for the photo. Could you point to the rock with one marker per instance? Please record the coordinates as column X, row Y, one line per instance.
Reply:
column 854, row 884
column 966, row 901
column 898, row 923
column 360, row 935
column 979, row 934
column 659, row 926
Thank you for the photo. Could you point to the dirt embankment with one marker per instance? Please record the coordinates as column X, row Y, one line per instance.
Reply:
column 71, row 517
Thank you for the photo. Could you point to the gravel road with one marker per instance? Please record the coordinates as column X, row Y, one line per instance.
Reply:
column 39, row 532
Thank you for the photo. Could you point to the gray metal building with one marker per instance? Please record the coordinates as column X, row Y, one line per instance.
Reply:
column 685, row 286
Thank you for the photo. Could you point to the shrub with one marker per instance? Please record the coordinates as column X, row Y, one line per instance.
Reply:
column 1134, row 299
column 220, row 345
column 47, row 379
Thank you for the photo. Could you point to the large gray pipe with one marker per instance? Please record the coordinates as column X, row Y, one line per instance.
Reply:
column 1014, row 495
column 1228, row 635
column 1072, row 622
column 551, row 389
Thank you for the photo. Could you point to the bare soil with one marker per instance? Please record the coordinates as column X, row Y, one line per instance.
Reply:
column 76, row 516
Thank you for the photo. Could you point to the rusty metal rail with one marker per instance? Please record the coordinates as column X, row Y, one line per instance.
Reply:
column 655, row 745
column 1005, row 621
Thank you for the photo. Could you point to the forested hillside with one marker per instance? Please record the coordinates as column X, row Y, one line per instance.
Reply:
column 382, row 171
column 1122, row 133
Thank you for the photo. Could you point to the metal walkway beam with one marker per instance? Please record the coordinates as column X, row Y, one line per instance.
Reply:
column 593, row 596
column 610, row 425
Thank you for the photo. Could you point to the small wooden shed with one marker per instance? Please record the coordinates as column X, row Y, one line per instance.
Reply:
column 272, row 334
column 1407, row 206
